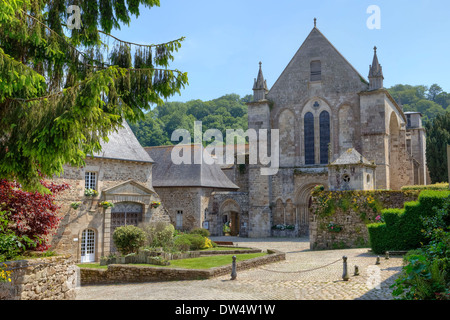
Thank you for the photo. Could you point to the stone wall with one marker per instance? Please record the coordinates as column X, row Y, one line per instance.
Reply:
column 350, row 211
column 51, row 278
column 133, row 274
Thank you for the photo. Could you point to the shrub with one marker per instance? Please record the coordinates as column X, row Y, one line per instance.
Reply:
column 196, row 241
column 128, row 239
column 426, row 275
column 201, row 231
column 158, row 234
column 33, row 215
column 402, row 229
column 182, row 243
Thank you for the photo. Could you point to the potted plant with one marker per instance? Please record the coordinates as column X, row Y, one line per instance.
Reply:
column 75, row 205
column 155, row 204
column 106, row 204
column 90, row 192
column 227, row 229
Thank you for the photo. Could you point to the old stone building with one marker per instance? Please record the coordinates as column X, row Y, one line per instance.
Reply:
column 323, row 108
column 196, row 195
column 336, row 129
column 121, row 175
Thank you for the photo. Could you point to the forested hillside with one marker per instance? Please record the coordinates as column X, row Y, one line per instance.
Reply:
column 429, row 101
column 227, row 112
column 230, row 112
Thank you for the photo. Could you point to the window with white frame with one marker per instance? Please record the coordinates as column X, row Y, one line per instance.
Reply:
column 90, row 180
column 179, row 220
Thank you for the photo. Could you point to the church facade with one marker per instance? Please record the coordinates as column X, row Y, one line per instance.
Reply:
column 324, row 108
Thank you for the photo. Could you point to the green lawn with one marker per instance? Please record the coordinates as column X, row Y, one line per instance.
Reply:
column 192, row 263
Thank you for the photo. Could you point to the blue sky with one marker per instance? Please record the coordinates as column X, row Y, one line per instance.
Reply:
column 225, row 40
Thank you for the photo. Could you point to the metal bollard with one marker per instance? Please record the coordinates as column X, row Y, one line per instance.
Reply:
column 345, row 276
column 356, row 271
column 233, row 269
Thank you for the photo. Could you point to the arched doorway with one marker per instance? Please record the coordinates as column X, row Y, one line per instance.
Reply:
column 230, row 212
column 303, row 204
column 88, row 246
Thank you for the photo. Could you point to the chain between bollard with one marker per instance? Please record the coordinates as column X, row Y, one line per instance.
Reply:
column 300, row 271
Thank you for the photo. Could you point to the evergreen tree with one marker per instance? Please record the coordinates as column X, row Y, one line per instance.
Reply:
column 438, row 136
column 63, row 89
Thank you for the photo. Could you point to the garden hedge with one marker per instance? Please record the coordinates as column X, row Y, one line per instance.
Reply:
column 402, row 228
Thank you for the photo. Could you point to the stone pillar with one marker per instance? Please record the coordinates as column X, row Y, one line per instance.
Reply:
column 106, row 248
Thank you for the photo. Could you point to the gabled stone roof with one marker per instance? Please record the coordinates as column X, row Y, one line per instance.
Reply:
column 351, row 156
column 168, row 174
column 123, row 145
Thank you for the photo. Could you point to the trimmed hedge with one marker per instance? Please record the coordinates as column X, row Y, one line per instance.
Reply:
column 402, row 227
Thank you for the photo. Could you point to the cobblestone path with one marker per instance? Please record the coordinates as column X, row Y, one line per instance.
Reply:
column 304, row 275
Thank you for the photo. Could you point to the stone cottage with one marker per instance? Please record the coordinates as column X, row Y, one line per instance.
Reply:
column 198, row 195
column 122, row 175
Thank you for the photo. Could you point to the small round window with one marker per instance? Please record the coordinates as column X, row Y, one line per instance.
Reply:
column 346, row 178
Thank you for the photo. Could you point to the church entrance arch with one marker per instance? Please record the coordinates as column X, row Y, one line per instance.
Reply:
column 230, row 212
column 303, row 204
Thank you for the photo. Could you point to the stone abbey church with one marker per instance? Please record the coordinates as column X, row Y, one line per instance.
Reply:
column 336, row 129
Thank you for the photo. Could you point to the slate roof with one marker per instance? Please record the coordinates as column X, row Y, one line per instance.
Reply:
column 351, row 156
column 123, row 145
column 168, row 174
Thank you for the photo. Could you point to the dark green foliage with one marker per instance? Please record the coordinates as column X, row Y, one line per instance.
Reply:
column 196, row 241
column 182, row 243
column 128, row 239
column 438, row 137
column 60, row 95
column 426, row 275
column 227, row 112
column 430, row 101
column 203, row 232
column 402, row 229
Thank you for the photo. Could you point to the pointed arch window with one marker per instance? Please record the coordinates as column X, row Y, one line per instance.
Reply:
column 309, row 138
column 324, row 123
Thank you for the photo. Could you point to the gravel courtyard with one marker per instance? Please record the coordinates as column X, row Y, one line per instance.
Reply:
column 304, row 275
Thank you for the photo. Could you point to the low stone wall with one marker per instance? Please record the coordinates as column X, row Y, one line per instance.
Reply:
column 350, row 212
column 49, row 278
column 231, row 251
column 133, row 274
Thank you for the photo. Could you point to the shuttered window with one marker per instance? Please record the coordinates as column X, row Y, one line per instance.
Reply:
column 309, row 138
column 316, row 71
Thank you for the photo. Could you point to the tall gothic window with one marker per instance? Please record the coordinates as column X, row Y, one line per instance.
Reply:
column 324, row 121
column 316, row 71
column 309, row 138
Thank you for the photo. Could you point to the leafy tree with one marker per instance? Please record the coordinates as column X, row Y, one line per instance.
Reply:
column 226, row 112
column 429, row 101
column 62, row 90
